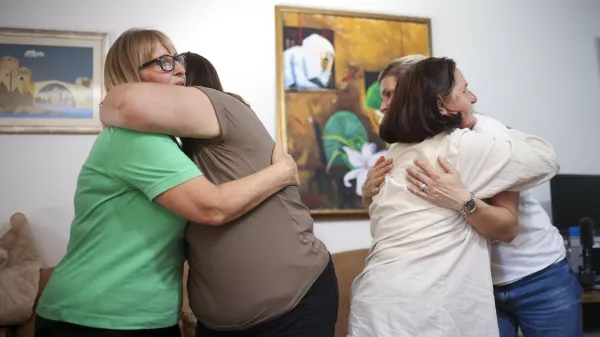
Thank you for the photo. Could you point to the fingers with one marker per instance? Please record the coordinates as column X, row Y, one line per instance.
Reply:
column 379, row 160
column 426, row 168
column 414, row 187
column 418, row 175
column 445, row 164
column 277, row 153
column 418, row 193
column 371, row 186
column 383, row 169
column 416, row 183
column 385, row 164
column 378, row 181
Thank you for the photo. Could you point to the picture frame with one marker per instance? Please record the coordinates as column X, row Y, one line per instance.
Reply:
column 327, row 68
column 597, row 42
column 51, row 81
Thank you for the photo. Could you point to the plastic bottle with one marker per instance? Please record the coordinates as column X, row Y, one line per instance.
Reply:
column 574, row 252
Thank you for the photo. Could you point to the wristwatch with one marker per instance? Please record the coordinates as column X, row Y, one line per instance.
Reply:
column 470, row 206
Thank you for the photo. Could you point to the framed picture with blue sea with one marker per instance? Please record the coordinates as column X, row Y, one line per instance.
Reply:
column 51, row 81
column 328, row 96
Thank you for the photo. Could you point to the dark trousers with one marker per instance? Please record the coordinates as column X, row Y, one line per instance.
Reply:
column 543, row 304
column 48, row 328
column 314, row 316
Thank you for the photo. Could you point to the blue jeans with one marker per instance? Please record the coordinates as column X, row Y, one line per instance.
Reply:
column 544, row 304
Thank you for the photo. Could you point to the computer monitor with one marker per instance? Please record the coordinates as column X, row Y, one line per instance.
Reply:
column 574, row 196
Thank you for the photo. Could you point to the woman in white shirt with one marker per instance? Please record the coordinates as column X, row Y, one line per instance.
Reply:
column 428, row 272
column 534, row 287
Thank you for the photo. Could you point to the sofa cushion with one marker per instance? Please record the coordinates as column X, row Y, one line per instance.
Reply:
column 347, row 266
column 19, row 272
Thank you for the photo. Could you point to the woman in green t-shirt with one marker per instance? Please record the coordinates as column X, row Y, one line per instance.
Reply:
column 122, row 272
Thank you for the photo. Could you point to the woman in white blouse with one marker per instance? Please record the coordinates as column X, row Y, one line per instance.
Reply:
column 428, row 272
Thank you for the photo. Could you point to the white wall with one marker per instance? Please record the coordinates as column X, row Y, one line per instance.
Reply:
column 533, row 64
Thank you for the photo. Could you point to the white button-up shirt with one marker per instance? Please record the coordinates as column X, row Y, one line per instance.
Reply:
column 428, row 272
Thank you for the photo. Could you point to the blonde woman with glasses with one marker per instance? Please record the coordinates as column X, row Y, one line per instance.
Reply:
column 122, row 272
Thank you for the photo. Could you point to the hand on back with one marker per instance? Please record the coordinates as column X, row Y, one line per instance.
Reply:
column 287, row 163
column 442, row 188
column 376, row 176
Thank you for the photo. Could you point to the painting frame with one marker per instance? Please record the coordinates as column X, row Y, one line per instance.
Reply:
column 597, row 43
column 282, row 89
column 98, row 42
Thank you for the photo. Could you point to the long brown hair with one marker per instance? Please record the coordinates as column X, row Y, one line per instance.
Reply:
column 201, row 72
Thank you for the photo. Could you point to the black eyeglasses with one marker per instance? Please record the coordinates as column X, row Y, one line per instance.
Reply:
column 167, row 62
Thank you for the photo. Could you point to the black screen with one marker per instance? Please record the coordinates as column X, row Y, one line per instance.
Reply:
column 574, row 197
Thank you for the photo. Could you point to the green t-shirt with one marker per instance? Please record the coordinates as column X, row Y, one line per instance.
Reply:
column 124, row 261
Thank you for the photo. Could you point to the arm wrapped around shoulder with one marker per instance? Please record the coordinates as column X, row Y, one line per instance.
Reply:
column 161, row 109
column 489, row 166
column 536, row 153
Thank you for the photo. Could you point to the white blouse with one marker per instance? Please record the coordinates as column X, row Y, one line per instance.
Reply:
column 428, row 271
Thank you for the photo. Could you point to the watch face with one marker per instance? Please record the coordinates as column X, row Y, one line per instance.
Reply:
column 470, row 205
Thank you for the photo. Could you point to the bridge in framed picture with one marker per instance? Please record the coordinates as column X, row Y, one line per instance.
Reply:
column 51, row 81
column 328, row 64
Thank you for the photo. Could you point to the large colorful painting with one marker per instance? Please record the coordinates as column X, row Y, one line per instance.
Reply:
column 328, row 63
column 50, row 81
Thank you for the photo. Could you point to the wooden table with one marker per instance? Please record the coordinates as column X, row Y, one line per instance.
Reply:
column 590, row 296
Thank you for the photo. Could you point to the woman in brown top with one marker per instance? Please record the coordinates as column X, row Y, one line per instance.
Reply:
column 264, row 274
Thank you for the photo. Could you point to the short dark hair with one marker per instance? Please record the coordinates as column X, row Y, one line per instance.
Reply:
column 414, row 115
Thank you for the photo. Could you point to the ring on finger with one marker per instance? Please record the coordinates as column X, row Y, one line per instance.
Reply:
column 423, row 187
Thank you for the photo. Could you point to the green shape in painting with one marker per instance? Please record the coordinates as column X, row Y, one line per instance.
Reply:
column 373, row 98
column 343, row 128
